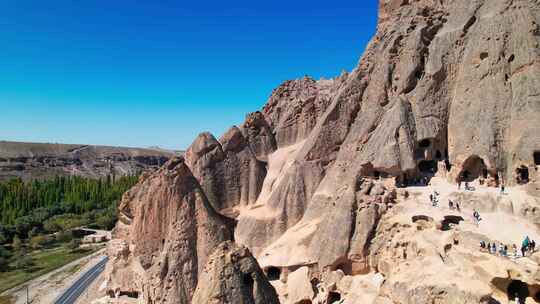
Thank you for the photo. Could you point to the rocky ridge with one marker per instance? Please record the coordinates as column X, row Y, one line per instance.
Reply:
column 39, row 160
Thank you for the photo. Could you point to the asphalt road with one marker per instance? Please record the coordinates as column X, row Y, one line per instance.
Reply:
column 70, row 295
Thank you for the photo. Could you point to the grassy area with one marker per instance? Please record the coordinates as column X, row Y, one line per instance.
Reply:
column 45, row 261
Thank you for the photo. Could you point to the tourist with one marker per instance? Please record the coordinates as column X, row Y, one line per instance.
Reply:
column 532, row 245
column 517, row 300
column 523, row 250
column 450, row 204
column 476, row 216
column 482, row 245
column 502, row 188
column 457, row 207
column 515, row 250
column 494, row 248
column 459, row 185
column 489, row 247
column 526, row 242
column 505, row 250
column 501, row 249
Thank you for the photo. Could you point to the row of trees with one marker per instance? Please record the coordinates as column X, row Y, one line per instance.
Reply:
column 30, row 208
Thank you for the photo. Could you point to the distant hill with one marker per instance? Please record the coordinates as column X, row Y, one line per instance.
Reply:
column 41, row 160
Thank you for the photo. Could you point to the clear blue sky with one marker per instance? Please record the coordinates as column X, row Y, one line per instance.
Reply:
column 139, row 73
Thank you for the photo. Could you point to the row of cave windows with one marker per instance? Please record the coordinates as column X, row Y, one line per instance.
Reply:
column 426, row 143
column 430, row 166
column 514, row 288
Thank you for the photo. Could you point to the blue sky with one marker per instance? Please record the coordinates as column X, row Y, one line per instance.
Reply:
column 143, row 73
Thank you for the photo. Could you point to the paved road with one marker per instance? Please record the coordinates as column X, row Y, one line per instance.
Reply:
column 70, row 295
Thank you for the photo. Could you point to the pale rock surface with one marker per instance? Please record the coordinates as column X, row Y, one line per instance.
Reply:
column 299, row 286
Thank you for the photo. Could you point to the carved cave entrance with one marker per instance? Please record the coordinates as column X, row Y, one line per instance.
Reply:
column 536, row 156
column 273, row 273
column 427, row 166
column 522, row 175
column 519, row 289
column 473, row 168
column 129, row 294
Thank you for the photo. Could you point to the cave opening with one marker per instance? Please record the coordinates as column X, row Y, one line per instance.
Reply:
column 536, row 156
column 427, row 166
column 333, row 297
column 438, row 154
column 346, row 267
column 424, row 143
column 522, row 175
column 129, row 294
column 273, row 273
column 473, row 168
column 518, row 289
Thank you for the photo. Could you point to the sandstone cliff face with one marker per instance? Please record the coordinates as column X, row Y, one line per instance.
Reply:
column 228, row 171
column 35, row 160
column 166, row 232
column 448, row 86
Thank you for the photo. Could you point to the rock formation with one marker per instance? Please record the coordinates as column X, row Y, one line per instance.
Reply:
column 35, row 160
column 166, row 231
column 447, row 91
column 232, row 275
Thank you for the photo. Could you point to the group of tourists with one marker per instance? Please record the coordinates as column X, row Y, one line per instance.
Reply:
column 527, row 247
column 492, row 248
column 434, row 199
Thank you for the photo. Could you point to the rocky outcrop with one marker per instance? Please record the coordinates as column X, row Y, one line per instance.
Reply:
column 228, row 170
column 295, row 107
column 167, row 230
column 232, row 275
column 37, row 161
